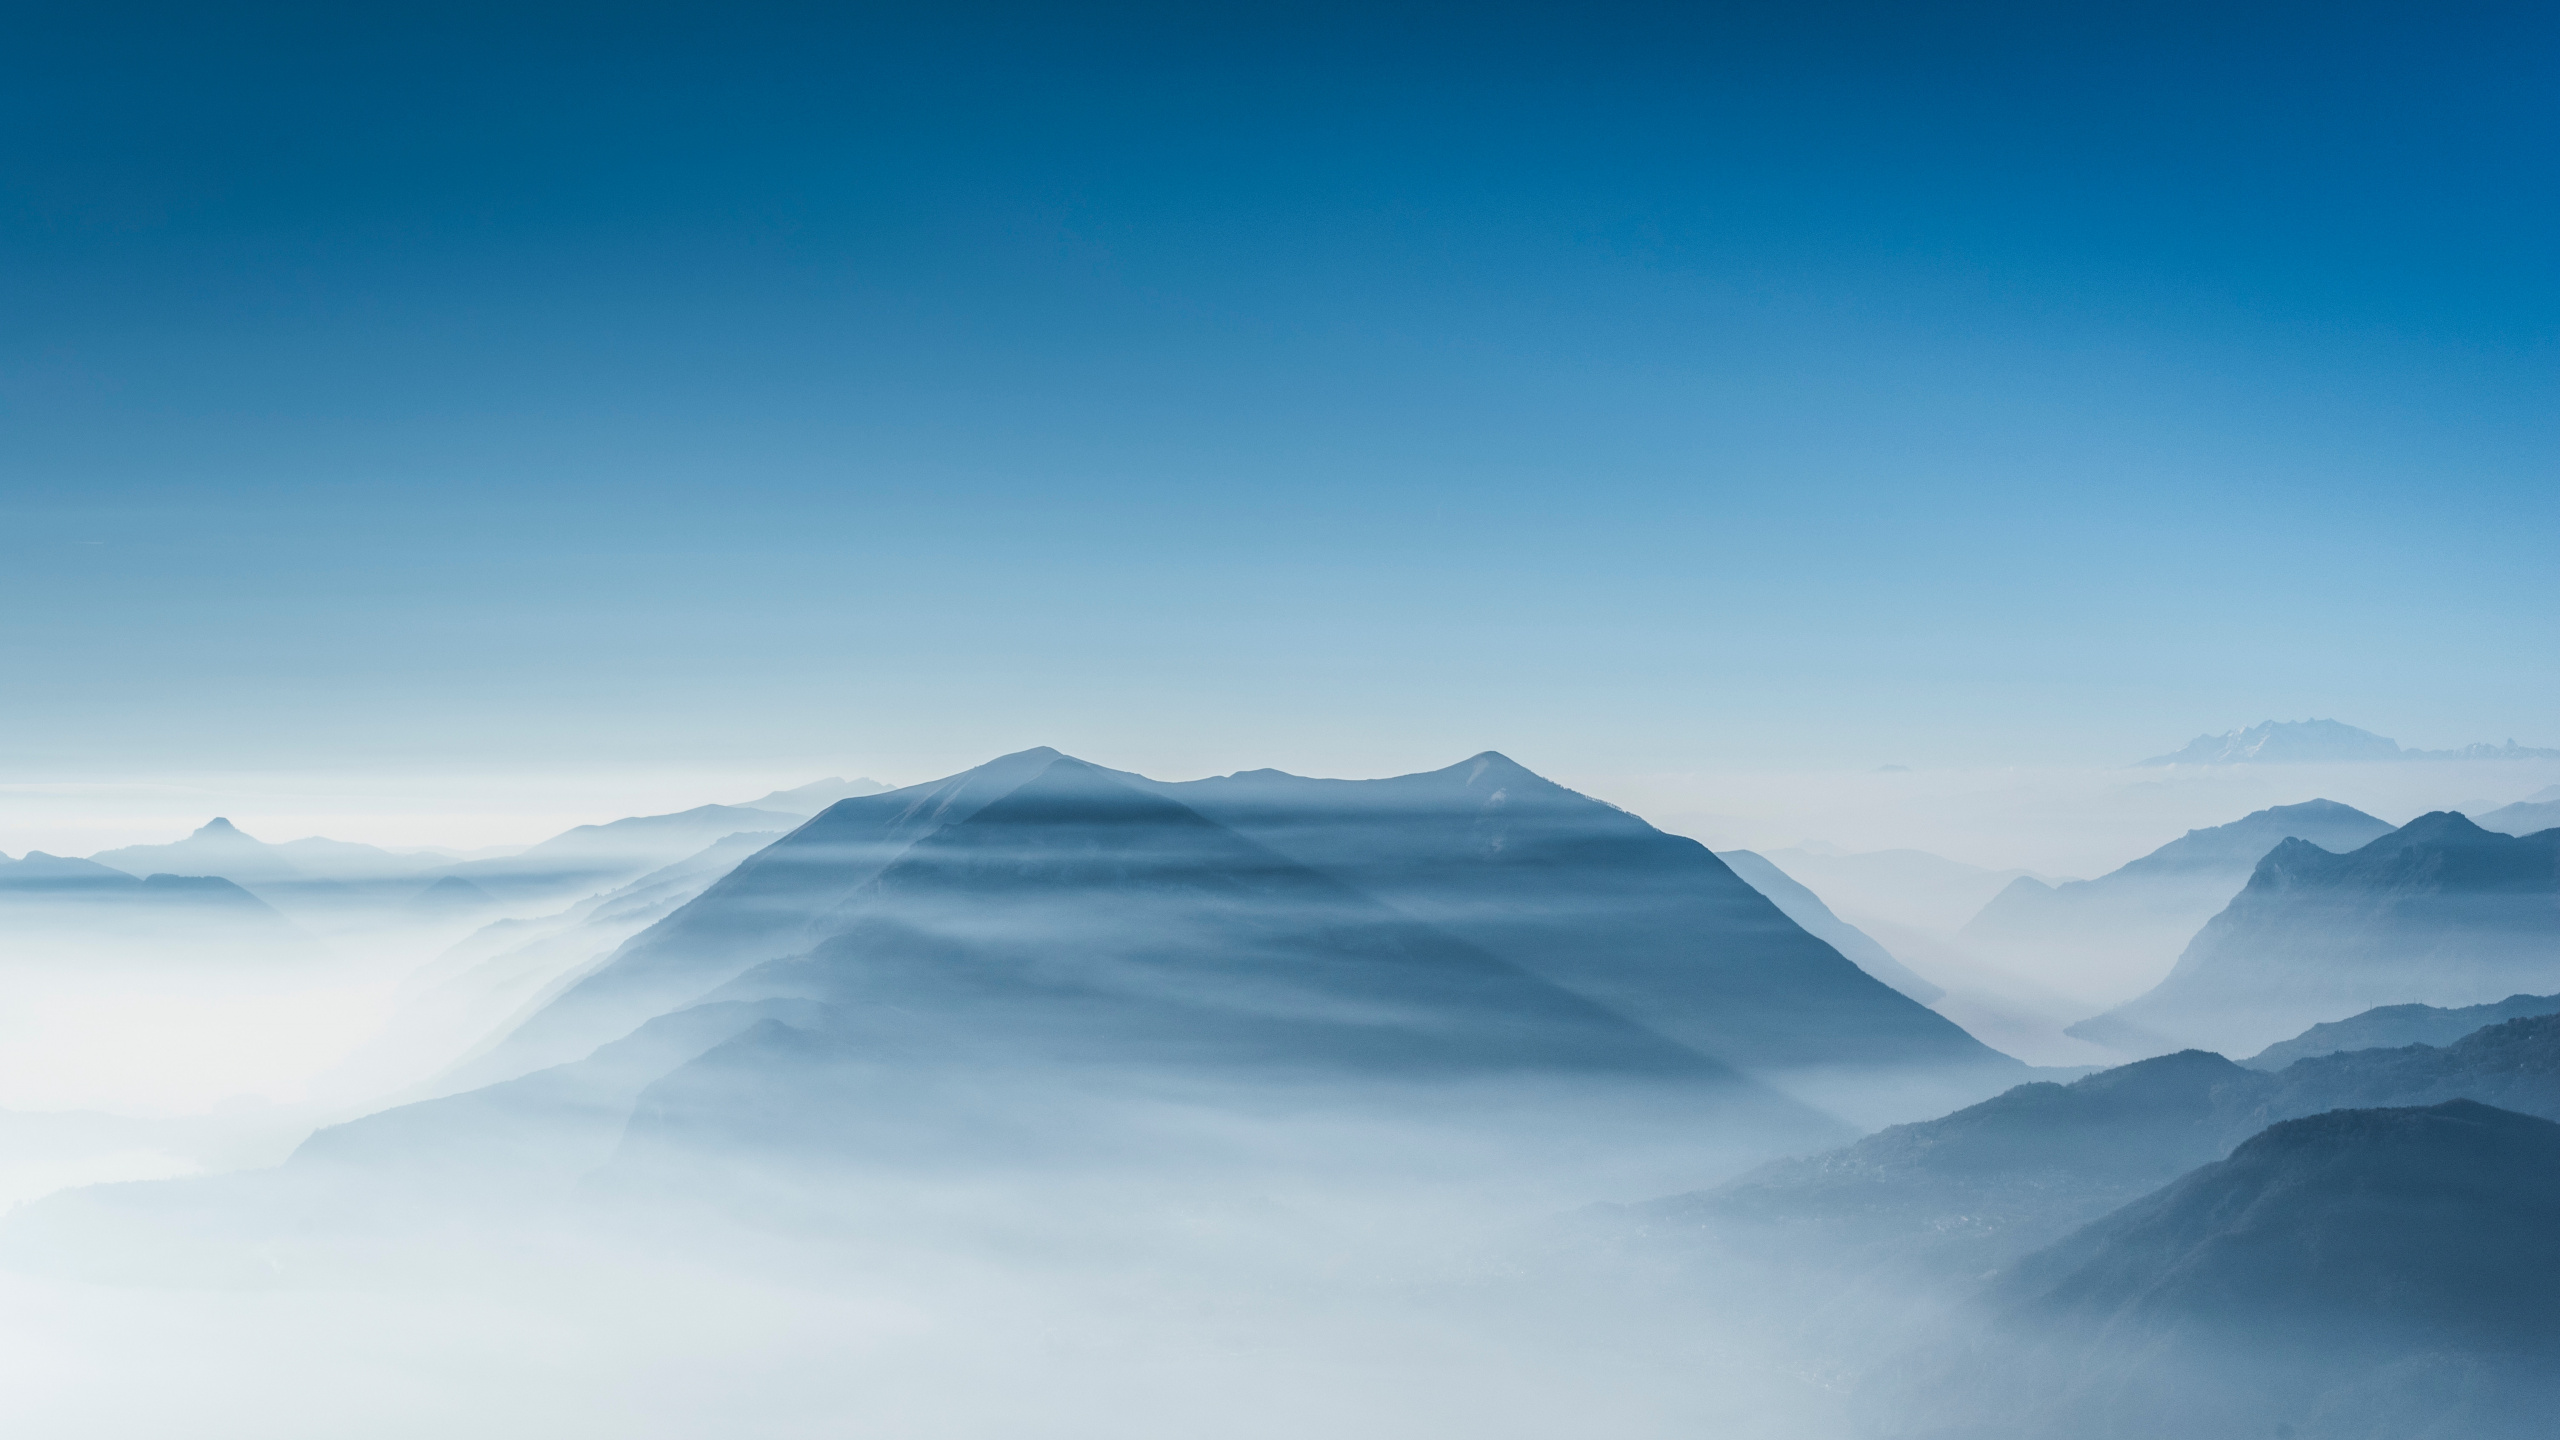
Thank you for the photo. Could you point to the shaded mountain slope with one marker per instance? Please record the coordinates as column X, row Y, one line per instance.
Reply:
column 2438, row 1221
column 2439, row 912
column 1597, row 901
column 1807, row 910
column 779, row 902
column 2358, row 1275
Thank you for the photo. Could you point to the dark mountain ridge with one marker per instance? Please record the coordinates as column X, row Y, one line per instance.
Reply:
column 2361, row 1274
column 2438, row 912
column 2023, row 1168
column 2389, row 1027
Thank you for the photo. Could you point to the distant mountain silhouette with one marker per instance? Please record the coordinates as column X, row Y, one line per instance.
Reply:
column 2525, row 817
column 2363, row 1274
column 815, row 796
column 2392, row 1026
column 1807, row 910
column 218, row 847
column 2323, row 742
column 2133, row 921
column 449, row 896
column 57, row 909
column 590, row 858
column 2438, row 912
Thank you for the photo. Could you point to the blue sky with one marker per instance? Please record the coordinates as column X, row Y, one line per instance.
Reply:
column 1348, row 389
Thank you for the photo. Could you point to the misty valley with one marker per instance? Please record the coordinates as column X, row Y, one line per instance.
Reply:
column 1050, row 1099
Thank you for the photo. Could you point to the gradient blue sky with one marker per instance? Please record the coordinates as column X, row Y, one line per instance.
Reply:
column 1344, row 388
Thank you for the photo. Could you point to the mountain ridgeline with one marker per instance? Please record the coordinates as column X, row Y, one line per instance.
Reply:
column 2438, row 912
column 2125, row 928
column 1043, row 962
column 1588, row 902
column 1990, row 1182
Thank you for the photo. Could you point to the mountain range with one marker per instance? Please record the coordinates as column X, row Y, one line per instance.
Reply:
column 1576, row 893
column 1043, row 962
column 2438, row 912
column 2389, row 1027
column 57, row 909
column 2123, row 930
column 1990, row 1182
column 2325, row 742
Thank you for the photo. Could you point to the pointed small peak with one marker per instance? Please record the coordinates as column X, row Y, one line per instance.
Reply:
column 1492, row 767
column 218, row 828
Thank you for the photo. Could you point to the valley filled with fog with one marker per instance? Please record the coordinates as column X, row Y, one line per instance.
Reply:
column 1052, row 1099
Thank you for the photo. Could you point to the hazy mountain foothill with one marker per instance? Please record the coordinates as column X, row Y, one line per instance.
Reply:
column 2438, row 912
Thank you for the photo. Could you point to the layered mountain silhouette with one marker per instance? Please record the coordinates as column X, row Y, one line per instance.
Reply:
column 1807, row 910
column 815, row 796
column 56, row 908
column 590, row 858
column 2392, row 1026
column 1994, row 1180
column 323, row 877
column 2355, row 1275
column 1044, row 961
column 2438, row 912
column 2323, row 742
column 2129, row 925
column 219, row 847
column 1649, row 927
